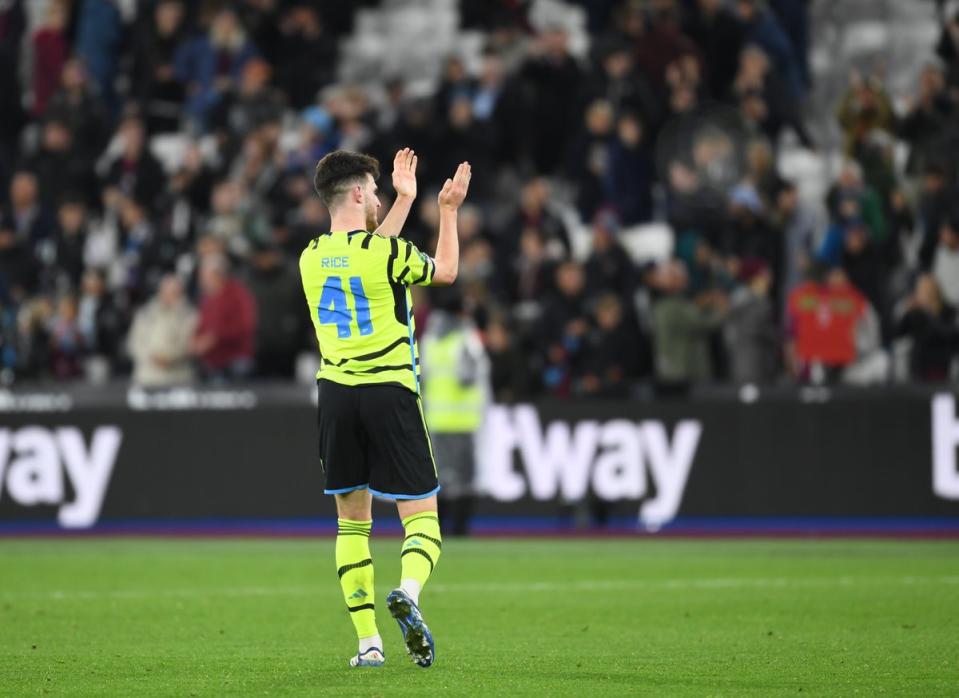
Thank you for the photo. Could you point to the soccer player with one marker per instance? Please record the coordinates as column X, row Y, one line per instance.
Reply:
column 372, row 434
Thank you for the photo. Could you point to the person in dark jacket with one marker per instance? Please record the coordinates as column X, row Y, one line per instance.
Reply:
column 71, row 238
column 588, row 159
column 61, row 167
column 136, row 173
column 720, row 37
column 306, row 55
column 629, row 182
column 27, row 216
column 931, row 325
column 554, row 83
column 275, row 287
column 153, row 75
column 609, row 266
column 616, row 350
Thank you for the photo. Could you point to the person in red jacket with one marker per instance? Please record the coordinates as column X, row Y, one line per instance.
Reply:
column 223, row 341
column 823, row 316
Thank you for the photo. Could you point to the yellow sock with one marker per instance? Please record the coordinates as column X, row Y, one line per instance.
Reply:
column 355, row 568
column 421, row 550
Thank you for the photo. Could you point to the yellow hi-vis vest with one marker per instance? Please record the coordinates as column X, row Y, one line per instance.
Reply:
column 451, row 407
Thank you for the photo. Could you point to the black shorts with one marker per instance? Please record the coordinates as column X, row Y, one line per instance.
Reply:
column 374, row 437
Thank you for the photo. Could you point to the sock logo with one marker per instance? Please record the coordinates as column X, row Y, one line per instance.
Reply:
column 414, row 542
column 358, row 594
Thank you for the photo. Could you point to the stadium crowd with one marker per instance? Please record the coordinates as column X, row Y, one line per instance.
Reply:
column 114, row 262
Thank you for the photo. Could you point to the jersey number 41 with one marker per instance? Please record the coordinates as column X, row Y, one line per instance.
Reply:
column 335, row 309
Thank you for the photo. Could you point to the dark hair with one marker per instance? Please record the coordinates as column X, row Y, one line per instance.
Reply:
column 342, row 169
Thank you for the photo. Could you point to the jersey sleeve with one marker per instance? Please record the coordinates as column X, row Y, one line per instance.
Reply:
column 412, row 267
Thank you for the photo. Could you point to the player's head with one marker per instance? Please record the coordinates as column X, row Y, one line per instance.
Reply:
column 349, row 179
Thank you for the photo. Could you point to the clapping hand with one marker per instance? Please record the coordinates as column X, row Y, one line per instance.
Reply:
column 404, row 173
column 454, row 190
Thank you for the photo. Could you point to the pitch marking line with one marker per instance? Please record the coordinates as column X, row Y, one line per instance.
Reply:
column 718, row 583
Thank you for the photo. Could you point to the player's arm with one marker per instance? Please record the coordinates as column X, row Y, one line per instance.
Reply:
column 404, row 182
column 451, row 197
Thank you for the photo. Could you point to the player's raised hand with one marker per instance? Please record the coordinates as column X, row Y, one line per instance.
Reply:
column 404, row 173
column 454, row 190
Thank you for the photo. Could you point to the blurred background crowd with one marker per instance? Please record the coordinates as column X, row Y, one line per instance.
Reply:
column 639, row 217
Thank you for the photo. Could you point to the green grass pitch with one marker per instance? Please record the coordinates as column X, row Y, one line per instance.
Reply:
column 511, row 617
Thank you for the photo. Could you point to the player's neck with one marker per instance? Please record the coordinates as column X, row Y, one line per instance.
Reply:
column 347, row 220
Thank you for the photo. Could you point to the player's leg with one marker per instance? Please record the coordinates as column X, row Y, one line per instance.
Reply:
column 354, row 565
column 422, row 543
column 343, row 457
column 402, row 468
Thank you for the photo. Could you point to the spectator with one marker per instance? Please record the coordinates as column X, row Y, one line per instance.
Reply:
column 589, row 158
column 137, row 234
column 931, row 326
column 763, row 28
column 235, row 221
column 658, row 42
column 34, row 345
column 101, row 323
column 564, row 326
column 945, row 265
column 616, row 351
column 274, row 284
column 629, row 181
column 18, row 267
column 27, row 218
column 153, row 73
column 71, row 240
column 534, row 213
column 720, row 37
column 793, row 17
column 60, row 167
column 77, row 105
column 824, row 317
column 864, row 108
column 937, row 196
column 50, row 51
column 510, row 375
column 532, row 269
column 254, row 103
column 851, row 197
column 765, row 101
column 462, row 139
column 929, row 115
column 948, row 48
column 67, row 344
column 306, row 55
column 799, row 225
column 684, row 327
column 211, row 64
column 135, row 173
column 864, row 264
column 160, row 338
column 617, row 82
column 609, row 267
column 99, row 42
column 751, row 334
column 554, row 83
column 225, row 332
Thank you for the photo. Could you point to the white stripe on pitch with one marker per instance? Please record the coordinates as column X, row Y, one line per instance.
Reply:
column 716, row 583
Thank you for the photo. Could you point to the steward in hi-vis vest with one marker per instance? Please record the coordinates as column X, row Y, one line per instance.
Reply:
column 455, row 395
